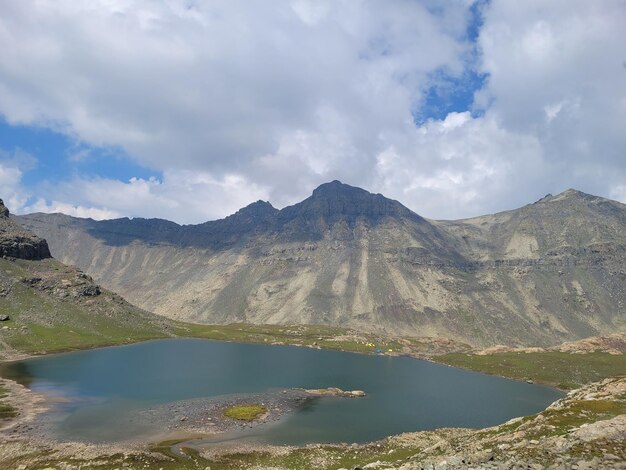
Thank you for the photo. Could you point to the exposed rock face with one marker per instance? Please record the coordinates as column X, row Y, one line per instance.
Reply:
column 77, row 285
column 16, row 242
column 549, row 272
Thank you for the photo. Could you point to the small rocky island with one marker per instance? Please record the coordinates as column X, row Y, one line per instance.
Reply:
column 213, row 415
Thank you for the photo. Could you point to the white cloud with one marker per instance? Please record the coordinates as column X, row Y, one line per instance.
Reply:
column 12, row 167
column 212, row 87
column 556, row 116
column 183, row 196
column 227, row 90
column 556, row 72
column 561, row 55
column 234, row 104
column 465, row 172
column 12, row 193
column 41, row 205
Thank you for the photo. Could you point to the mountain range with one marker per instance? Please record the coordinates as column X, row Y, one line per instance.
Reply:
column 548, row 272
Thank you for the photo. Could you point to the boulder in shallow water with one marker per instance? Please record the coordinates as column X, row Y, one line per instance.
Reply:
column 335, row 392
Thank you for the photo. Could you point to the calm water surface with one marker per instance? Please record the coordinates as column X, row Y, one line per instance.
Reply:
column 403, row 394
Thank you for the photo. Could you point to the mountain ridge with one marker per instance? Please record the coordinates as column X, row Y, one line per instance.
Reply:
column 548, row 272
column 259, row 205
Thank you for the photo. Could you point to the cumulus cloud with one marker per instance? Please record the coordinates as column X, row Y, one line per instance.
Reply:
column 184, row 196
column 468, row 167
column 13, row 164
column 41, row 205
column 256, row 91
column 213, row 85
column 233, row 103
column 554, row 115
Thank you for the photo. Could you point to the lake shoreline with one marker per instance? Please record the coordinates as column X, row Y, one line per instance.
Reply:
column 253, row 363
column 183, row 418
column 184, row 445
column 25, row 416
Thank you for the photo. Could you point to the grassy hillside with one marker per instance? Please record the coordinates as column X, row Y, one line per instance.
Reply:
column 53, row 307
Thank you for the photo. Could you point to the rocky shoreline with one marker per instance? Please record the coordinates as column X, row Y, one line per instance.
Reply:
column 205, row 416
column 193, row 419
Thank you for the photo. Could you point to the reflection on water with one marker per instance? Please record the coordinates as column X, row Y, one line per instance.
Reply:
column 403, row 394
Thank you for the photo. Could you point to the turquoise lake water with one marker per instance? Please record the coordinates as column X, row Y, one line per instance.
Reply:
column 103, row 386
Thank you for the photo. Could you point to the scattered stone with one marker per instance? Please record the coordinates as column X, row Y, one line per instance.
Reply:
column 92, row 290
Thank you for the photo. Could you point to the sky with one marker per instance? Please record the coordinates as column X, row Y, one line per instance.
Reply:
column 189, row 110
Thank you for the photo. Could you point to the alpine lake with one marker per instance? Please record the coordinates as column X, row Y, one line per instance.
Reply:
column 104, row 395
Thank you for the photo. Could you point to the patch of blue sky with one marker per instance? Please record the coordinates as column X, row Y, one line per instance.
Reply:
column 476, row 19
column 59, row 156
column 448, row 92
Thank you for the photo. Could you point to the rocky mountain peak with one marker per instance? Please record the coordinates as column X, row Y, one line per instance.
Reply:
column 4, row 212
column 338, row 201
column 572, row 195
column 335, row 188
column 538, row 275
column 571, row 192
column 258, row 209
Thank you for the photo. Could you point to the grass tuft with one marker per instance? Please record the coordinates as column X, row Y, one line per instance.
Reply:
column 245, row 412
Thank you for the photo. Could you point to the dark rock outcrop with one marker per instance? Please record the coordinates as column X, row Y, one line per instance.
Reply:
column 15, row 242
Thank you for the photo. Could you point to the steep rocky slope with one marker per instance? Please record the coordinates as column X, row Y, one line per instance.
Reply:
column 46, row 306
column 548, row 272
column 19, row 243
